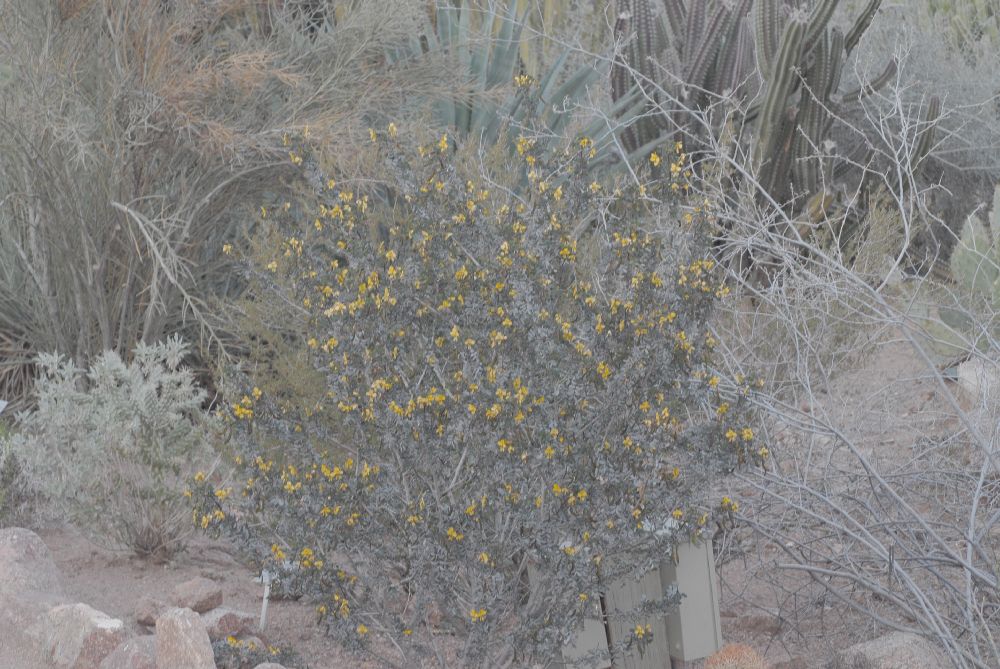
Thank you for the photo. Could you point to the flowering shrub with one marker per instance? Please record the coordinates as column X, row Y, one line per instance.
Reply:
column 517, row 386
column 110, row 449
column 233, row 653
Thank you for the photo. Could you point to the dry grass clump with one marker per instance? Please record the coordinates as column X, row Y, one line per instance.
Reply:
column 135, row 133
column 736, row 656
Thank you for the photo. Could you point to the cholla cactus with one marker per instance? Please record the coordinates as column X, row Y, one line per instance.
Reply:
column 736, row 656
column 517, row 409
column 111, row 448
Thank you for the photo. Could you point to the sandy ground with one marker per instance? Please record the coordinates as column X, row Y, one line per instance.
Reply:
column 113, row 582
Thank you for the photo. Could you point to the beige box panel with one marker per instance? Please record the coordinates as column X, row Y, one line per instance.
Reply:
column 693, row 630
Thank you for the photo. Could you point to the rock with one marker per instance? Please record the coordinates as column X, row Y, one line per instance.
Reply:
column 182, row 641
column 269, row 665
column 979, row 379
column 198, row 594
column 79, row 637
column 899, row 650
column 148, row 609
column 136, row 653
column 223, row 622
column 26, row 564
column 30, row 585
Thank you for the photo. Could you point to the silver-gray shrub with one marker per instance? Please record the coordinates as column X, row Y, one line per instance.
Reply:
column 109, row 448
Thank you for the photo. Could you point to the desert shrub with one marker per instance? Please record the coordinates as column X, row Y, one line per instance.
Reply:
column 110, row 448
column 233, row 653
column 516, row 385
column 16, row 496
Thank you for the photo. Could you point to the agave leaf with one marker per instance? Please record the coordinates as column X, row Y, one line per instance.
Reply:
column 995, row 217
column 571, row 88
column 462, row 47
column 505, row 48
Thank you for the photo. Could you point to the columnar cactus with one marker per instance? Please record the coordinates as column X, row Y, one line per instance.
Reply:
column 702, row 51
column 713, row 46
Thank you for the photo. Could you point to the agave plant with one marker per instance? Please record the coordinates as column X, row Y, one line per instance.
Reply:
column 486, row 45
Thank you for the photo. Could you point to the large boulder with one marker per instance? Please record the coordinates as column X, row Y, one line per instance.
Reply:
column 79, row 637
column 198, row 594
column 182, row 641
column 30, row 585
column 26, row 564
column 136, row 653
column 898, row 650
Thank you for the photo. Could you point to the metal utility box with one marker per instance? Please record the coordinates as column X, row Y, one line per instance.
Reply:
column 691, row 632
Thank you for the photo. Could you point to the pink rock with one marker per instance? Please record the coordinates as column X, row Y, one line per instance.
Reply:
column 29, row 586
column 223, row 622
column 136, row 653
column 198, row 594
column 26, row 564
column 79, row 637
column 148, row 609
column 182, row 641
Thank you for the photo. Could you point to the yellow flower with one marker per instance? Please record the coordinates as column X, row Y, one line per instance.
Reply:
column 443, row 143
column 747, row 434
column 477, row 615
column 730, row 435
column 227, row 248
column 392, row 130
column 362, row 629
column 654, row 158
